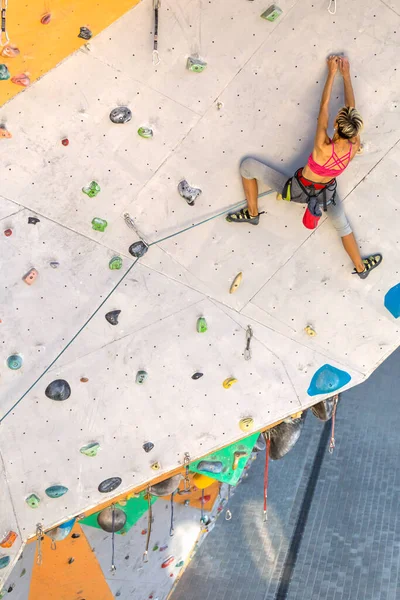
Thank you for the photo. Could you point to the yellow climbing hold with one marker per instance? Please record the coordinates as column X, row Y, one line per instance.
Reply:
column 297, row 415
column 236, row 282
column 156, row 466
column 202, row 481
column 229, row 382
column 310, row 331
column 246, row 424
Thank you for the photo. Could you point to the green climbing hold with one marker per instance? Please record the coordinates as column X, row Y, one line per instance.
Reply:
column 14, row 362
column 56, row 491
column 141, row 377
column 145, row 132
column 272, row 13
column 33, row 501
column 90, row 449
column 195, row 65
column 4, row 73
column 99, row 224
column 180, row 564
column 115, row 263
column 92, row 189
column 201, row 325
column 155, row 547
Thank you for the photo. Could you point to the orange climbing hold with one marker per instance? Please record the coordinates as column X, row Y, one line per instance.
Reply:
column 9, row 540
column 4, row 134
column 21, row 79
column 30, row 277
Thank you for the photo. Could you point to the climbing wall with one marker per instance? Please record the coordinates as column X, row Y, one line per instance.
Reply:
column 258, row 95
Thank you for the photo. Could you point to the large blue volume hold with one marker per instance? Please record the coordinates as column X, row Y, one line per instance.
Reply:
column 392, row 301
column 327, row 379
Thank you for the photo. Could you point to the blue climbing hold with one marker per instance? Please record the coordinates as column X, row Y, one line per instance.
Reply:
column 56, row 491
column 392, row 301
column 61, row 532
column 4, row 561
column 327, row 379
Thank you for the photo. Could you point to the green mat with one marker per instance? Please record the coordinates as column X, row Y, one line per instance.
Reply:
column 226, row 457
column 134, row 509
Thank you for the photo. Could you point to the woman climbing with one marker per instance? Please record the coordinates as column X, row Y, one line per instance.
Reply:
column 315, row 184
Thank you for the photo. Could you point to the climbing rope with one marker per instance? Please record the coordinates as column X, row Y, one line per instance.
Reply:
column 202, row 508
column 333, row 419
column 267, row 445
column 110, row 294
column 149, row 521
column 332, row 7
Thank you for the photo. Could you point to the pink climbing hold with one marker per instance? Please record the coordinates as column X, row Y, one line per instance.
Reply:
column 21, row 79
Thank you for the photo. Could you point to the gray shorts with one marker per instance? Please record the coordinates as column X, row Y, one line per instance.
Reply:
column 251, row 168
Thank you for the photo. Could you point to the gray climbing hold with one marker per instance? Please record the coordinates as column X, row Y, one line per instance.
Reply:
column 111, row 519
column 121, row 114
column 197, row 375
column 189, row 193
column 166, row 487
column 112, row 317
column 85, row 33
column 210, row 466
column 59, row 389
column 284, row 436
column 33, row 220
column 138, row 249
column 56, row 491
column 323, row 410
column 54, row 264
column 148, row 446
column 109, row 485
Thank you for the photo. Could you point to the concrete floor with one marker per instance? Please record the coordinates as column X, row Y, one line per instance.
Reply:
column 333, row 529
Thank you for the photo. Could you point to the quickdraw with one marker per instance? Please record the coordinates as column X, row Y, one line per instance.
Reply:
column 186, row 462
column 171, row 528
column 333, row 418
column 228, row 514
column 39, row 535
column 249, row 335
column 4, row 34
column 267, row 445
column 113, row 567
column 156, row 57
column 149, row 521
column 332, row 7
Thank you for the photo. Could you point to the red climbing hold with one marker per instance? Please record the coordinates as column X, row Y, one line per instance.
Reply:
column 8, row 232
column 205, row 499
column 144, row 531
column 167, row 562
column 65, row 141
column 45, row 20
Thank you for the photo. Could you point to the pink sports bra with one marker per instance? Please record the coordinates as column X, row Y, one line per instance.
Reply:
column 327, row 169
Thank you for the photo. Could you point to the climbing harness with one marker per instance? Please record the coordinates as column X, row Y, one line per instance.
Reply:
column 4, row 39
column 113, row 567
column 228, row 514
column 267, row 445
column 332, row 7
column 149, row 521
column 156, row 57
column 333, row 419
column 171, row 529
column 249, row 335
column 39, row 535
